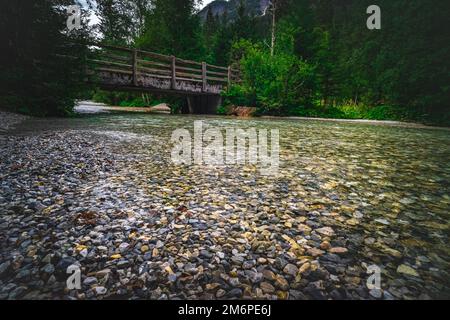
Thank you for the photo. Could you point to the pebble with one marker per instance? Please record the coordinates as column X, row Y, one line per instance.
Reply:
column 100, row 291
column 315, row 252
column 90, row 281
column 338, row 250
column 17, row 293
column 267, row 287
column 123, row 247
column 376, row 293
column 269, row 275
column 248, row 264
column 262, row 260
column 325, row 245
column 235, row 293
column 103, row 273
column 172, row 277
column 326, row 231
column 291, row 269
column 220, row 293
column 84, row 253
column 123, row 264
column 281, row 283
column 48, row 268
column 4, row 267
column 407, row 270
column 382, row 221
column 305, row 267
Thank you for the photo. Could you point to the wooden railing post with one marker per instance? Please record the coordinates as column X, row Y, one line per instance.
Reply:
column 135, row 75
column 229, row 76
column 174, row 73
column 204, row 79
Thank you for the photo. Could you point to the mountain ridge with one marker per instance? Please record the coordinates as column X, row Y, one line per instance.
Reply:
column 219, row 7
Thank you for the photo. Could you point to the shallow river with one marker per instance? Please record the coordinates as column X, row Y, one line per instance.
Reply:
column 347, row 197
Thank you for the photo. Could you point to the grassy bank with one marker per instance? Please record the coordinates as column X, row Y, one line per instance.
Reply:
column 352, row 112
column 381, row 112
column 355, row 112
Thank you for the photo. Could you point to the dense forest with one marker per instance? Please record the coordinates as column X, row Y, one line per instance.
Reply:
column 297, row 57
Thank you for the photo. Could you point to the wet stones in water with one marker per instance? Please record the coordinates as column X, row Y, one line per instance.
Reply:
column 267, row 287
column 114, row 203
column 407, row 270
column 291, row 270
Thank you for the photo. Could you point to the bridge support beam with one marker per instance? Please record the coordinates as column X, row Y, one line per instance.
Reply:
column 204, row 104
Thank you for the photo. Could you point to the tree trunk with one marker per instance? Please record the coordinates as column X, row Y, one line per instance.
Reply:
column 274, row 12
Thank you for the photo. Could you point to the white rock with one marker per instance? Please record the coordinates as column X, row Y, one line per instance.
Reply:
column 100, row 290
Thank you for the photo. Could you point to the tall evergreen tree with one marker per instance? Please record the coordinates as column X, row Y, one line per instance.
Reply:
column 173, row 28
column 210, row 33
column 117, row 24
column 36, row 76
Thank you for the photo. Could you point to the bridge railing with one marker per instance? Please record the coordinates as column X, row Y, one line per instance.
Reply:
column 138, row 64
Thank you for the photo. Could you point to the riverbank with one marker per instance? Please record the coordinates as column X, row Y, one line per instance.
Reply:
column 92, row 107
column 8, row 120
column 363, row 121
column 89, row 107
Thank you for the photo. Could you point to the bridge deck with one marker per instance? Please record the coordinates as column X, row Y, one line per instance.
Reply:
column 112, row 67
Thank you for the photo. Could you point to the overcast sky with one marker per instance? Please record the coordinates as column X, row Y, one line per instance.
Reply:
column 94, row 18
column 205, row 2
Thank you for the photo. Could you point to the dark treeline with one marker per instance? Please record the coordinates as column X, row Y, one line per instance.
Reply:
column 327, row 63
column 321, row 59
column 34, row 78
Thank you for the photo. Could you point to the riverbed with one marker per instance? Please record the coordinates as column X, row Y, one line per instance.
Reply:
column 100, row 191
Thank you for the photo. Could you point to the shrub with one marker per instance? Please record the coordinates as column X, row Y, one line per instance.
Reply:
column 273, row 84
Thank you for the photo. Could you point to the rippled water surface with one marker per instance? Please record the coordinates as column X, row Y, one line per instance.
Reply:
column 385, row 190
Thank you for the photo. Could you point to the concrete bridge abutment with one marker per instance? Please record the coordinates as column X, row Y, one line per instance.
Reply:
column 204, row 104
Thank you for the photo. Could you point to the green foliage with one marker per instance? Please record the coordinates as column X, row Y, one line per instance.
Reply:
column 116, row 21
column 222, row 110
column 237, row 95
column 140, row 100
column 327, row 63
column 111, row 98
column 273, row 84
column 381, row 112
column 125, row 99
column 136, row 102
column 172, row 28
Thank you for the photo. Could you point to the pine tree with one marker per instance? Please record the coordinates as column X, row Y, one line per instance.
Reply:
column 117, row 24
column 36, row 76
column 173, row 28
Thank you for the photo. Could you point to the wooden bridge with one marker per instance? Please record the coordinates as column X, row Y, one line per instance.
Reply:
column 119, row 68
